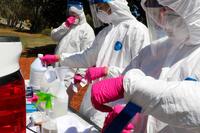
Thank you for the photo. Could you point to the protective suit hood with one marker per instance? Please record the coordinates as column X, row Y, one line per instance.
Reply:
column 82, row 18
column 120, row 11
column 189, row 10
column 80, row 13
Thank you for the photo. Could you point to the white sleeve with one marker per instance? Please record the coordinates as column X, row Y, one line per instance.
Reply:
column 86, row 37
column 114, row 71
column 58, row 33
column 140, row 40
column 83, row 59
column 174, row 102
column 135, row 63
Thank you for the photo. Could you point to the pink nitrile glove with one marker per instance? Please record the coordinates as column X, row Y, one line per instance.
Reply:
column 70, row 21
column 111, row 115
column 139, row 121
column 49, row 59
column 94, row 73
column 77, row 78
column 106, row 91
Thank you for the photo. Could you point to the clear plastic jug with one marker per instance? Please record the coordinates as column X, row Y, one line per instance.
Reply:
column 53, row 82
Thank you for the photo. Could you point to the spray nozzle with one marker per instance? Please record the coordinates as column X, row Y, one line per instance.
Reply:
column 46, row 98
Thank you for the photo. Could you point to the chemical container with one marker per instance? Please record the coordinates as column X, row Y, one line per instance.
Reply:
column 12, row 87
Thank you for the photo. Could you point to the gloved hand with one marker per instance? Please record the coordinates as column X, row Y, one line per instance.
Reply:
column 49, row 59
column 70, row 21
column 105, row 91
column 77, row 78
column 111, row 115
column 93, row 73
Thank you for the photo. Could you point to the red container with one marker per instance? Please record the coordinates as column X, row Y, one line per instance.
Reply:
column 12, row 88
column 12, row 106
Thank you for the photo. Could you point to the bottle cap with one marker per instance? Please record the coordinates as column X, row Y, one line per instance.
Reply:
column 40, row 55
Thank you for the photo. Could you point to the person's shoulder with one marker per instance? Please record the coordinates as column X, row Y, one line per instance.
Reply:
column 138, row 25
column 86, row 24
column 134, row 26
column 132, row 23
column 85, row 27
column 105, row 30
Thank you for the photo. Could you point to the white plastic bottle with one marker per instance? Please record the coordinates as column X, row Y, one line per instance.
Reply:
column 37, row 73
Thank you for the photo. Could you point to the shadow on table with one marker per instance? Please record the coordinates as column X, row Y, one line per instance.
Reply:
column 84, row 117
column 33, row 52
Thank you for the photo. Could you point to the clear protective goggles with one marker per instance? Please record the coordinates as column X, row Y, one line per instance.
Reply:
column 94, row 10
column 159, row 18
column 164, row 21
column 158, row 12
column 155, row 30
column 98, row 1
column 74, row 8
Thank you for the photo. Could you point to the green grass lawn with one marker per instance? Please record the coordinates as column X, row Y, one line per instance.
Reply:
column 28, row 40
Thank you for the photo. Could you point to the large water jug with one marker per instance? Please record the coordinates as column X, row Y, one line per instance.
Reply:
column 12, row 87
column 37, row 73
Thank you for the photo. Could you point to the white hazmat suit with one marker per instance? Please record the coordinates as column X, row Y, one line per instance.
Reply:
column 133, row 36
column 156, row 81
column 73, row 39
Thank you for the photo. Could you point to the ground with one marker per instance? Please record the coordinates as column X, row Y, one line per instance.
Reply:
column 28, row 40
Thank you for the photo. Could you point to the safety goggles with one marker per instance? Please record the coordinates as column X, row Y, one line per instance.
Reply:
column 98, row 1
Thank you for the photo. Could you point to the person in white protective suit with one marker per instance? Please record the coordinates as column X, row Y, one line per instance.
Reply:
column 164, row 78
column 113, row 47
column 74, row 35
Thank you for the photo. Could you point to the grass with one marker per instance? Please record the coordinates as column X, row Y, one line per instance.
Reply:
column 28, row 40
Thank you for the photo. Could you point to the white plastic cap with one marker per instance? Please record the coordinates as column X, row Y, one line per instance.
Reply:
column 40, row 55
